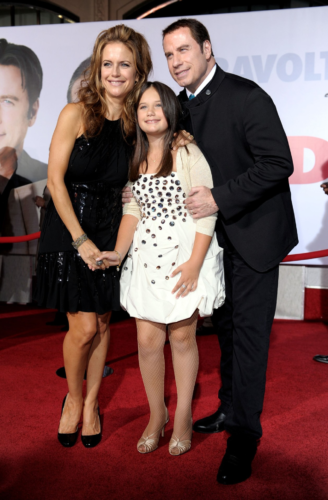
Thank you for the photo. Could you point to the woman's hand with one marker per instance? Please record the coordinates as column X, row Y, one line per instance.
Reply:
column 89, row 253
column 182, row 138
column 188, row 280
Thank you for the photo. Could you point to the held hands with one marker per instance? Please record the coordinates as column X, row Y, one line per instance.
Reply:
column 200, row 202
column 89, row 253
column 188, row 280
column 182, row 138
column 108, row 259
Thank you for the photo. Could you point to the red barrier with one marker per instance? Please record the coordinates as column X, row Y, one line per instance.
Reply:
column 305, row 256
column 19, row 239
column 290, row 258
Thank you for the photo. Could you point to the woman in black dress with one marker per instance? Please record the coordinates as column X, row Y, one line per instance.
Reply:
column 88, row 167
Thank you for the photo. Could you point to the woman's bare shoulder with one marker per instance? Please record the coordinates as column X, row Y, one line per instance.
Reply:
column 70, row 120
column 72, row 111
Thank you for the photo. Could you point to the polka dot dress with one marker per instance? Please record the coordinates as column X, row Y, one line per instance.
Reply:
column 164, row 240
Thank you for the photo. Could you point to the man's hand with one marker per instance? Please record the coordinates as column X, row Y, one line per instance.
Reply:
column 200, row 202
column 182, row 138
column 126, row 195
column 325, row 187
column 40, row 202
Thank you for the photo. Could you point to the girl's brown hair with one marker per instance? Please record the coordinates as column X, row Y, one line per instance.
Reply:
column 92, row 94
column 172, row 112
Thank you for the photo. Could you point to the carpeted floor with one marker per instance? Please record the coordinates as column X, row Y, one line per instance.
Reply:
column 291, row 462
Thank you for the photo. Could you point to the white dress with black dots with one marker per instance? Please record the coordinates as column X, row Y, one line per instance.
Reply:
column 162, row 241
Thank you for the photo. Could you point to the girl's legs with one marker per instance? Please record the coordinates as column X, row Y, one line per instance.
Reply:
column 182, row 337
column 95, row 367
column 151, row 340
column 77, row 343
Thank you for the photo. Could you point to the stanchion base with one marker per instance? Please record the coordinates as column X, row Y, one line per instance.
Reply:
column 107, row 371
column 62, row 373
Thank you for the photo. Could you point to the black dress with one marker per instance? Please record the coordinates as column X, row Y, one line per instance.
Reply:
column 96, row 174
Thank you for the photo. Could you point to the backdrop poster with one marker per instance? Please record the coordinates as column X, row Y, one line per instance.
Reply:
column 284, row 51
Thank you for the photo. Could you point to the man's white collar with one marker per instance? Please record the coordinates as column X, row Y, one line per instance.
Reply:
column 205, row 82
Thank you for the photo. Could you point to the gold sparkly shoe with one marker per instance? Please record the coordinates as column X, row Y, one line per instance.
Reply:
column 151, row 443
column 180, row 447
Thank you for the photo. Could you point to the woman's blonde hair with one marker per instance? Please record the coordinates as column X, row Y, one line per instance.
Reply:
column 92, row 94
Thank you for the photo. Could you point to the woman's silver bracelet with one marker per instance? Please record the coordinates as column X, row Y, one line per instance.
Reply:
column 78, row 242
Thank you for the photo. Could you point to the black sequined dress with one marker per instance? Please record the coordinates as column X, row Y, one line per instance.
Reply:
column 96, row 174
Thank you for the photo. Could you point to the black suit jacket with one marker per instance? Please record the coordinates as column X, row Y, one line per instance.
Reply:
column 237, row 127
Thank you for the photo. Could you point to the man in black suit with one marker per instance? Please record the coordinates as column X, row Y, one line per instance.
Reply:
column 236, row 125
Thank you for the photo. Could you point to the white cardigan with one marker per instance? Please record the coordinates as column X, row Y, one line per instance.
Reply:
column 193, row 170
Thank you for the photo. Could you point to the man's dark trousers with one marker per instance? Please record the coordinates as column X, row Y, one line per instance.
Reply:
column 244, row 324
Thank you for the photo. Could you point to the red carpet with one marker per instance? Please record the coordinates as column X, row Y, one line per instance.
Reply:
column 291, row 462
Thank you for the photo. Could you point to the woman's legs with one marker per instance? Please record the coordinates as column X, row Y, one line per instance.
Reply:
column 151, row 340
column 95, row 367
column 77, row 343
column 182, row 337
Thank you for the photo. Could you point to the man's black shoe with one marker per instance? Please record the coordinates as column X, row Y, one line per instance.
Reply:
column 205, row 330
column 211, row 424
column 321, row 358
column 236, row 465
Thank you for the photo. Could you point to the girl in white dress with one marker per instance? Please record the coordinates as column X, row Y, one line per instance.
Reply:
column 174, row 267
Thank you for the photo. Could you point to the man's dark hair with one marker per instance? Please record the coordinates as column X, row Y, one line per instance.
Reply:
column 198, row 31
column 29, row 65
column 81, row 70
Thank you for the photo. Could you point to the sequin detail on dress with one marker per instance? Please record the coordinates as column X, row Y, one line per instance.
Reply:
column 164, row 239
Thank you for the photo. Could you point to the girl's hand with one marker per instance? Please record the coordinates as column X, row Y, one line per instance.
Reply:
column 109, row 259
column 182, row 138
column 89, row 253
column 188, row 280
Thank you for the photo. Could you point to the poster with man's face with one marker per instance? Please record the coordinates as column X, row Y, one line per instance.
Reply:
column 21, row 78
column 20, row 86
column 290, row 64
column 14, row 109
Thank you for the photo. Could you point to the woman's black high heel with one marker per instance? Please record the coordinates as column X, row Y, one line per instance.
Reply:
column 92, row 441
column 68, row 440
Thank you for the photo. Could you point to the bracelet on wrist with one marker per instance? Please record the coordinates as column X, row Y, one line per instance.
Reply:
column 78, row 242
column 119, row 260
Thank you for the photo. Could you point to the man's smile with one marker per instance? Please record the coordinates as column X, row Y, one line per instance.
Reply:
column 181, row 73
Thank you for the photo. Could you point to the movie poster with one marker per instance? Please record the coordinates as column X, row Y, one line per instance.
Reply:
column 41, row 69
